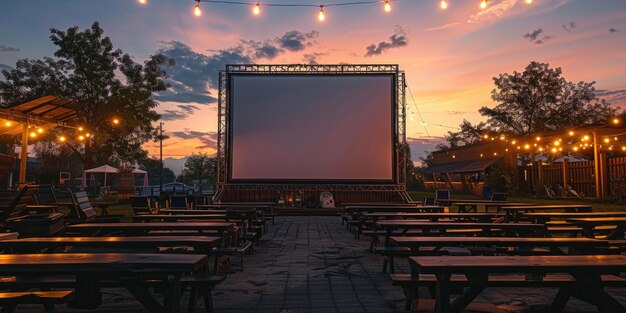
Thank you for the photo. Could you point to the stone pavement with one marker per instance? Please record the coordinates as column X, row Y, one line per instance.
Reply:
column 313, row 264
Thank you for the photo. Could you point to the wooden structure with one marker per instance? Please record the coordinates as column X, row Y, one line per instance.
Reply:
column 31, row 118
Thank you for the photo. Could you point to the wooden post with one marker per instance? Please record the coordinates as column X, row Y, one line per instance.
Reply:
column 596, row 165
column 604, row 176
column 23, row 155
column 539, row 187
column 565, row 172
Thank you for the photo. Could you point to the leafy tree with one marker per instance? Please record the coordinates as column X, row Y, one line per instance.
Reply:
column 153, row 167
column 200, row 167
column 105, row 82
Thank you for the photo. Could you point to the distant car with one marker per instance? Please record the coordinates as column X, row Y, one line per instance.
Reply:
column 170, row 189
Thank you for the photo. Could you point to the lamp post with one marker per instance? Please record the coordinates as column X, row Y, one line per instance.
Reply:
column 160, row 158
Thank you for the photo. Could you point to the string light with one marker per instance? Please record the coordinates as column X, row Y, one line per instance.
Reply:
column 321, row 16
column 616, row 121
column 571, row 133
column 40, row 130
column 80, row 128
column 483, row 4
column 257, row 9
column 8, row 124
column 529, row 1
column 196, row 10
column 387, row 6
column 443, row 4
column 81, row 137
column 116, row 121
column 142, row 1
column 33, row 134
column 62, row 138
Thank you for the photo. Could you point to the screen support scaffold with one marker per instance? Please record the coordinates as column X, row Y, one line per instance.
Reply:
column 235, row 191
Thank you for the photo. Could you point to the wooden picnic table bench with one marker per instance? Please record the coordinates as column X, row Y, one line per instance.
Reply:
column 129, row 268
column 429, row 228
column 482, row 217
column 513, row 213
column 176, row 218
column 590, row 223
column 100, row 229
column 586, row 271
column 472, row 206
column 544, row 217
column 190, row 212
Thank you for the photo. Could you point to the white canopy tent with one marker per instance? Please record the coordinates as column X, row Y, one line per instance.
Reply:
column 107, row 169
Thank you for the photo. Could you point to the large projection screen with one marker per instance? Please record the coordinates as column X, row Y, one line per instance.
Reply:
column 312, row 127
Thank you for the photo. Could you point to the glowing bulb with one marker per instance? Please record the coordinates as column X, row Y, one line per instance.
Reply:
column 607, row 140
column 575, row 149
column 62, row 138
column 80, row 129
column 529, row 1
column 116, row 121
column 540, row 149
column 87, row 135
column 196, row 10
column 387, row 6
column 554, row 150
column 538, row 138
column 623, row 148
column 481, row 155
column 513, row 142
column 495, row 153
column 502, row 137
column 257, row 9
column 571, row 133
column 40, row 130
column 615, row 121
column 585, row 138
column 142, row 1
column 483, row 4
column 556, row 143
column 33, row 134
column 454, row 156
column 321, row 16
column 8, row 124
column 81, row 137
column 443, row 4
column 486, row 136
column 526, row 146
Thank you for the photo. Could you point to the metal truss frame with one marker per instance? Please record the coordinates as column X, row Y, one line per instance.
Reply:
column 313, row 69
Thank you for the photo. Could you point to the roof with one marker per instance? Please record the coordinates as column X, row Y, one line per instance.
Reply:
column 461, row 167
column 45, row 112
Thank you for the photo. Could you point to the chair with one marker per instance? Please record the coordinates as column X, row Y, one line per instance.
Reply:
column 498, row 196
column 178, row 203
column 16, row 214
column 442, row 196
column 84, row 212
column 45, row 195
column 141, row 205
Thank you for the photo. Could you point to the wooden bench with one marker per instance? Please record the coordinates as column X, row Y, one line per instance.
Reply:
column 10, row 300
column 458, row 282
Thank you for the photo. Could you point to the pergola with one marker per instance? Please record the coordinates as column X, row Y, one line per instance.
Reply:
column 30, row 118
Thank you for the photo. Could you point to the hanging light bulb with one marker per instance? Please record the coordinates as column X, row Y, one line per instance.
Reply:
column 443, row 4
column 257, row 9
column 81, row 137
column 483, row 4
column 321, row 15
column 142, row 1
column 387, row 6
column 80, row 128
column 40, row 130
column 196, row 10
column 8, row 124
column 62, row 138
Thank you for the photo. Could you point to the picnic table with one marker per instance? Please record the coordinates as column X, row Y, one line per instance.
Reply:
column 590, row 223
column 415, row 209
column 103, row 205
column 89, row 269
column 100, row 229
column 481, row 217
column 191, row 212
column 199, row 244
column 513, row 213
column 176, row 218
column 544, row 217
column 575, row 245
column 428, row 228
column 586, row 271
column 472, row 206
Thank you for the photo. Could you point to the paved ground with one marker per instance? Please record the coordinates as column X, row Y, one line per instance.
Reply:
column 312, row 264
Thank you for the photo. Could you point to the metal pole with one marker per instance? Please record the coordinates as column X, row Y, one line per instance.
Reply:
column 161, row 158
column 596, row 165
column 23, row 155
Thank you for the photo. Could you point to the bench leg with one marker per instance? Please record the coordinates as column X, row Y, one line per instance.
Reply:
column 193, row 299
column 478, row 283
column 592, row 285
column 560, row 300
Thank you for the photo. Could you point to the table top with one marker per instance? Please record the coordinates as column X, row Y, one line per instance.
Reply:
column 151, row 226
column 232, row 206
column 428, row 214
column 508, row 264
column 598, row 221
column 490, row 203
column 180, row 217
column 477, row 201
column 495, row 241
column 423, row 224
column 192, row 212
column 141, row 241
column 546, row 207
column 401, row 208
column 101, row 263
column 572, row 214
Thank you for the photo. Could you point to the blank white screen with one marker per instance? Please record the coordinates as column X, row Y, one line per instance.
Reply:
column 300, row 127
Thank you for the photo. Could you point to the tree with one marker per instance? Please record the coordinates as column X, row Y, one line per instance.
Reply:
column 153, row 167
column 200, row 167
column 105, row 82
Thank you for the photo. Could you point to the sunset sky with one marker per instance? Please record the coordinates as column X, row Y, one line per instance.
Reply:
column 449, row 56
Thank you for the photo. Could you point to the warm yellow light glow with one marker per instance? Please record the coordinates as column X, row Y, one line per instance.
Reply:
column 529, row 1
column 257, row 9
column 495, row 153
column 443, row 4
column 611, row 148
column 81, row 137
column 454, row 156
column 540, row 149
column 560, row 149
column 513, row 142
column 585, row 138
column 387, row 6
column 502, row 137
column 557, row 143
column 33, row 134
column 538, row 138
column 575, row 148
column 616, row 121
column 486, row 136
column 321, row 16
column 571, row 133
column 507, row 149
column 554, row 150
column 80, row 129
column 607, row 140
column 518, row 147
column 615, row 138
column 483, row 4
column 40, row 130
column 481, row 155
column 526, row 146
column 196, row 10
column 62, row 138
column 8, row 124
column 142, row 1
column 87, row 135
column 116, row 121
column 623, row 148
